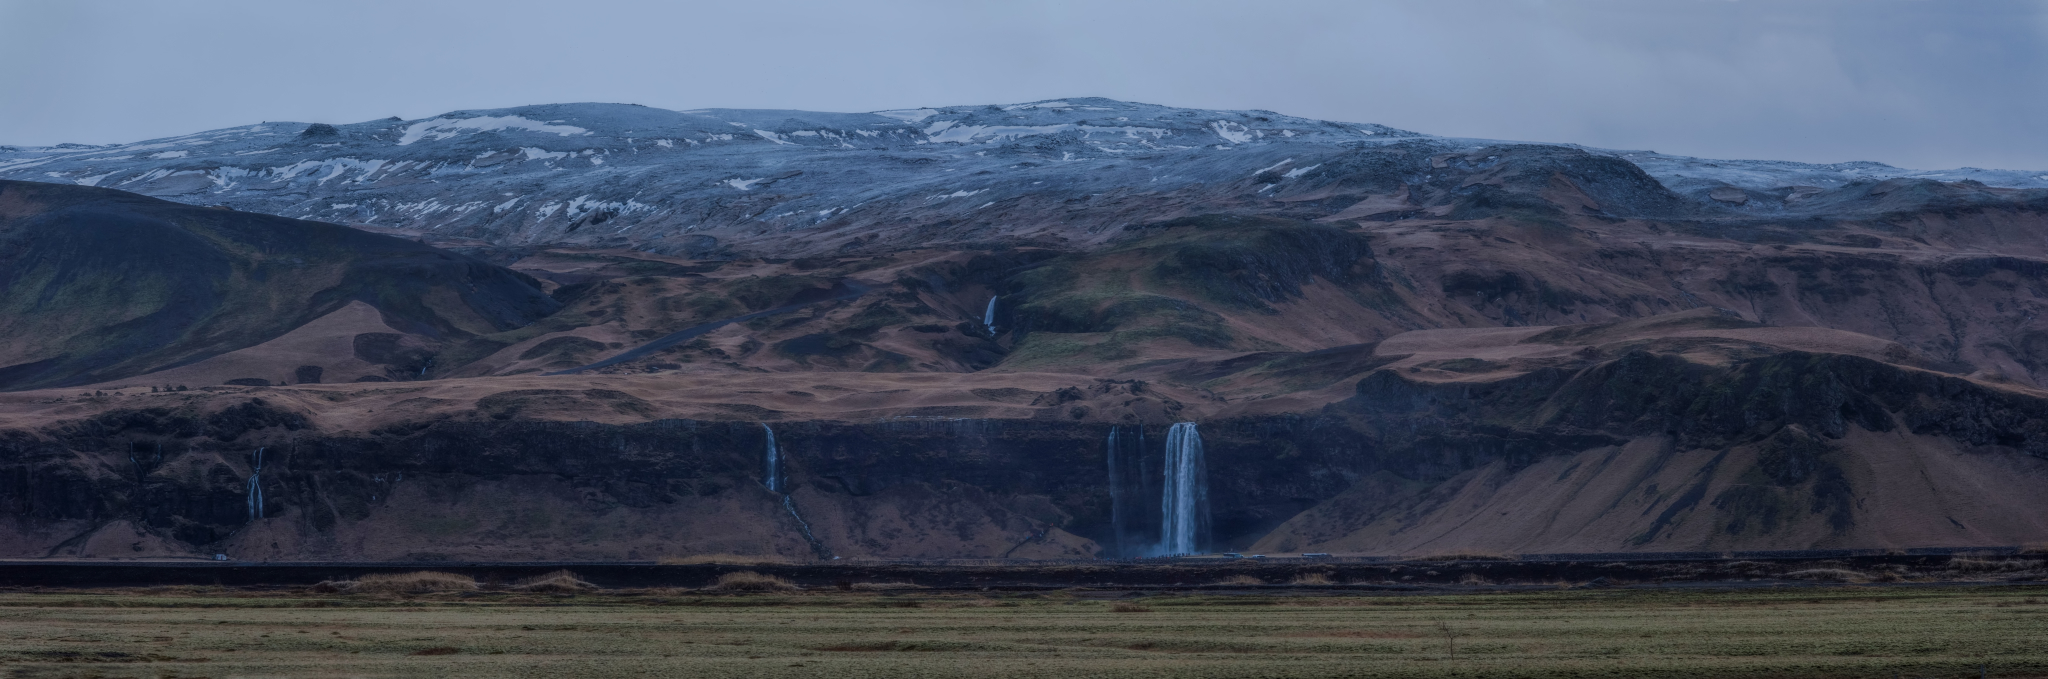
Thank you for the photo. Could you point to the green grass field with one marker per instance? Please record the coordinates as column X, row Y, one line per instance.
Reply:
column 1803, row 632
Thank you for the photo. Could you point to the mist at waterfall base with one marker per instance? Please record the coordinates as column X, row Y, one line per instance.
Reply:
column 1178, row 523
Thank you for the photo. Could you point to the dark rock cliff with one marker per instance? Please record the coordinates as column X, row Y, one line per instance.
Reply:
column 185, row 475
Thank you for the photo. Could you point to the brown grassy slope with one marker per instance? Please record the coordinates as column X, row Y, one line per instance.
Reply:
column 328, row 343
column 1788, row 488
column 1261, row 323
column 98, row 284
column 1209, row 288
column 1910, row 491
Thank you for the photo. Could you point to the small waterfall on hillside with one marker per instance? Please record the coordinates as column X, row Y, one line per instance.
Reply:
column 1116, row 497
column 773, row 479
column 988, row 318
column 817, row 546
column 1184, row 500
column 142, row 468
column 256, row 486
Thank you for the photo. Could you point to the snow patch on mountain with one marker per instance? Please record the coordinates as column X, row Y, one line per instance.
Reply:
column 1299, row 171
column 444, row 128
column 95, row 181
column 1231, row 132
column 912, row 115
column 948, row 132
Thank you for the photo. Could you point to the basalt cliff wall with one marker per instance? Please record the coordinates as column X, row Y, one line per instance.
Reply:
column 1794, row 450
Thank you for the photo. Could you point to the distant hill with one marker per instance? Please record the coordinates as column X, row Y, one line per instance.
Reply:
column 98, row 284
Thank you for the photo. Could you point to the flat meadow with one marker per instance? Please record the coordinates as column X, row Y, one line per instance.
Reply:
column 1813, row 631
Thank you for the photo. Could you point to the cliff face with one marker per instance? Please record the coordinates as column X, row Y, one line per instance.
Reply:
column 1643, row 451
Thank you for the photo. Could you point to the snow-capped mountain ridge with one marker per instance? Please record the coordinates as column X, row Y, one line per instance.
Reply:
column 706, row 180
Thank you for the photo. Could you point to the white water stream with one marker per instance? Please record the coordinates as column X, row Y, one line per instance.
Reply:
column 1184, row 499
column 773, row 479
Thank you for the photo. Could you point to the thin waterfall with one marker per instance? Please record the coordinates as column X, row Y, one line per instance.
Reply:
column 773, row 479
column 817, row 546
column 988, row 318
column 142, row 469
column 1184, row 500
column 256, row 487
column 1116, row 496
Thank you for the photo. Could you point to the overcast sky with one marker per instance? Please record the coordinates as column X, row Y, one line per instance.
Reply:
column 1915, row 83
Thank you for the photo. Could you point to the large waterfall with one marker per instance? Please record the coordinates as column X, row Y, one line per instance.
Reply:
column 256, row 486
column 988, row 318
column 773, row 478
column 1184, row 500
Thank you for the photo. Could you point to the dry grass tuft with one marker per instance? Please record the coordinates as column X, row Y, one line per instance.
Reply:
column 558, row 581
column 725, row 560
column 749, row 581
column 883, row 586
column 418, row 582
column 1240, row 580
column 1312, row 579
column 1828, row 575
column 1121, row 607
column 1962, row 563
